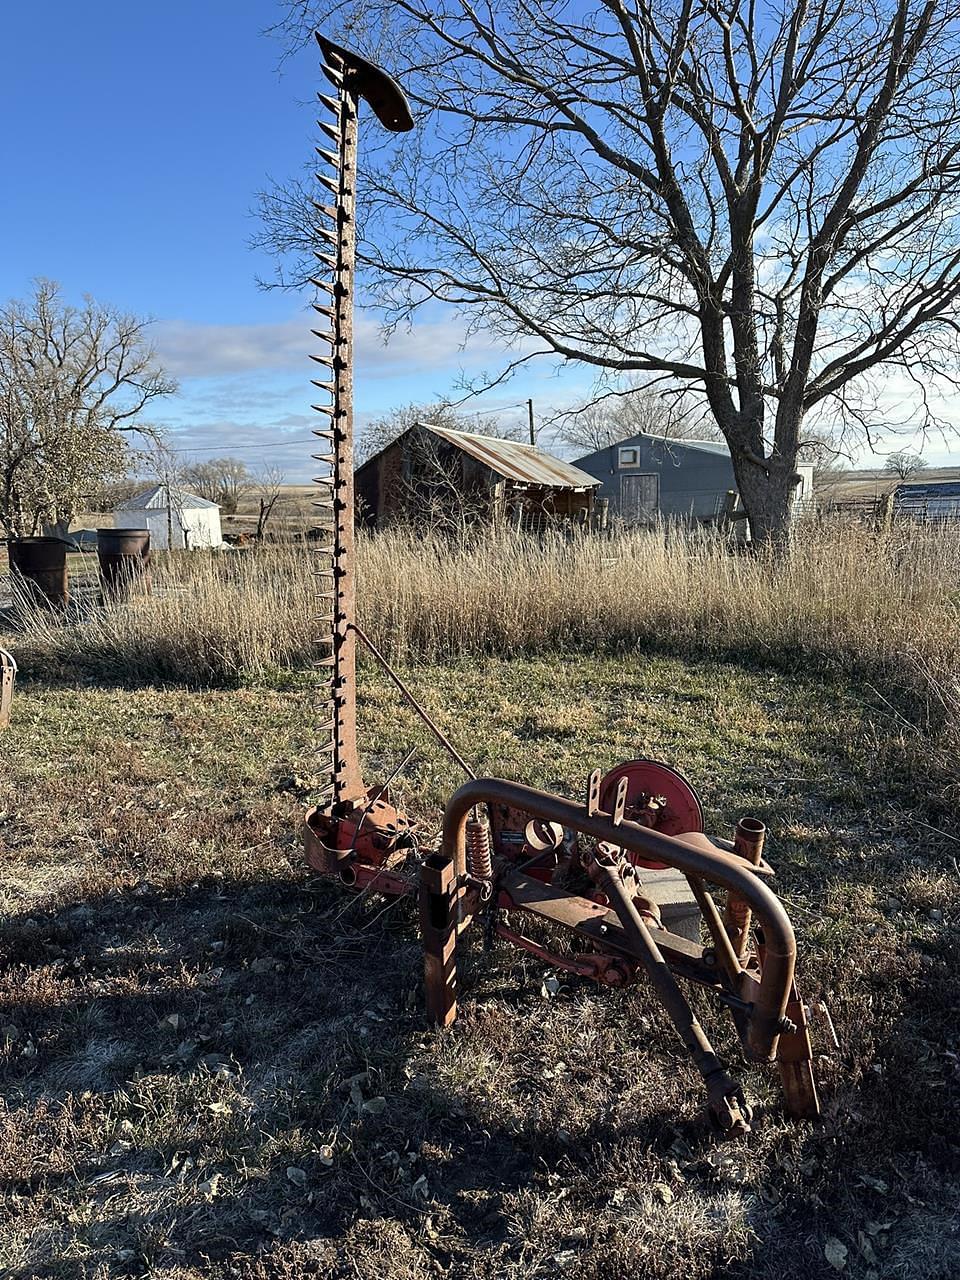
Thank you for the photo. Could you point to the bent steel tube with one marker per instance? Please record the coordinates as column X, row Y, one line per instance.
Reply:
column 720, row 868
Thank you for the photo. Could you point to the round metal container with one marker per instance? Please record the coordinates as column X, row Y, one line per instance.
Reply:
column 124, row 556
column 39, row 568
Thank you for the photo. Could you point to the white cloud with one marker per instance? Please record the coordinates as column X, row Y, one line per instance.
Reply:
column 191, row 350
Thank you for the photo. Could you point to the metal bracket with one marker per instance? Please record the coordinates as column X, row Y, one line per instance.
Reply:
column 8, row 674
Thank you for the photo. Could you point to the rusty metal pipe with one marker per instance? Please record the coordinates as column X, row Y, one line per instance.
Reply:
column 424, row 715
column 748, row 840
column 727, row 957
column 720, row 868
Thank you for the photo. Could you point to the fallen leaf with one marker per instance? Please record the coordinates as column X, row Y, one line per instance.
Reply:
column 835, row 1252
column 877, row 1184
column 295, row 1175
column 865, row 1247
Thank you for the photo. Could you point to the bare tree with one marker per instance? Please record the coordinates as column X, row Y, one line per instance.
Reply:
column 904, row 465
column 73, row 382
column 634, row 410
column 435, row 491
column 111, row 493
column 221, row 480
column 158, row 459
column 267, row 489
column 431, row 489
column 757, row 202
column 203, row 478
column 381, row 431
column 386, row 428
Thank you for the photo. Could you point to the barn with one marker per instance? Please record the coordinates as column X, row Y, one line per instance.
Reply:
column 648, row 477
column 928, row 500
column 446, row 478
column 174, row 517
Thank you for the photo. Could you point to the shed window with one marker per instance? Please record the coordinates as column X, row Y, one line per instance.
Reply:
column 629, row 457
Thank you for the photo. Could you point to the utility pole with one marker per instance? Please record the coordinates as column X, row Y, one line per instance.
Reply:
column 533, row 430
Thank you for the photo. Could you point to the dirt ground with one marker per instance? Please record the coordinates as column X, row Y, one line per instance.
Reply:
column 216, row 1066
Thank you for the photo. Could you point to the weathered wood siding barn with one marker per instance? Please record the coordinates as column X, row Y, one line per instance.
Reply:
column 441, row 476
column 649, row 476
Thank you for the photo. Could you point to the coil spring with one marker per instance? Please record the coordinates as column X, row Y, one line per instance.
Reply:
column 479, row 859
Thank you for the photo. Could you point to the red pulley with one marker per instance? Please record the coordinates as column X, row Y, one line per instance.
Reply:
column 657, row 797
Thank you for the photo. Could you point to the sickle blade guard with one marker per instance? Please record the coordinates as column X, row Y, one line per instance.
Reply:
column 354, row 78
column 368, row 81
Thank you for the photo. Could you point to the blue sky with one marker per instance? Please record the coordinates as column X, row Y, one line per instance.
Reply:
column 135, row 139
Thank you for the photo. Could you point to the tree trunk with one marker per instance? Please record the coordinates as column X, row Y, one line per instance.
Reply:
column 767, row 496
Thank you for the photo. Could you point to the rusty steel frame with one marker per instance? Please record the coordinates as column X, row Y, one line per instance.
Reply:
column 697, row 857
column 356, row 834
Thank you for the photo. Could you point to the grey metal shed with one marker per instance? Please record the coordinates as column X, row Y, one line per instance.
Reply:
column 650, row 476
column 928, row 500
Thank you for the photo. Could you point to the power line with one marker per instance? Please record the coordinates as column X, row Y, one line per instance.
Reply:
column 283, row 443
column 265, row 444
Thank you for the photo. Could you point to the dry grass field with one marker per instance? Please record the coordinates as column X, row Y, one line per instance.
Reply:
column 214, row 1066
column 868, row 484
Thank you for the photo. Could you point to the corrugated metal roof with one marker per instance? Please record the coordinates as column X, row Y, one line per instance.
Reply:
column 704, row 446
column 515, row 461
column 155, row 499
column 672, row 443
column 930, row 497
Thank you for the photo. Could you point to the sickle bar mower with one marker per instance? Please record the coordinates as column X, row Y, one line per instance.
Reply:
column 620, row 883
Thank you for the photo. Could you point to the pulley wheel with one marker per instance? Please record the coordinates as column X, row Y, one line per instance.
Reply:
column 657, row 797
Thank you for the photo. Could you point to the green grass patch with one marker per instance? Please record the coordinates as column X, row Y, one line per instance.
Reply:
column 214, row 1066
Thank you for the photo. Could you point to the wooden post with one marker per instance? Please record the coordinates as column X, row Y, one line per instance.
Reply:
column 725, row 519
column 885, row 513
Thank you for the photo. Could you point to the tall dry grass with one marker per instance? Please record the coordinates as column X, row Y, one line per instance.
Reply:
column 212, row 619
column 885, row 605
column 843, row 595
